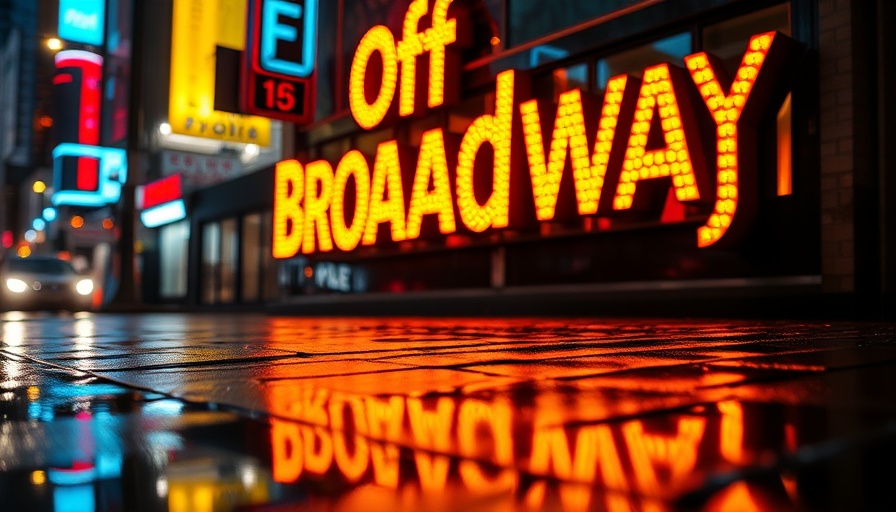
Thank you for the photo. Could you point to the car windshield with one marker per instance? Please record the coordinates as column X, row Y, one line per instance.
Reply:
column 41, row 266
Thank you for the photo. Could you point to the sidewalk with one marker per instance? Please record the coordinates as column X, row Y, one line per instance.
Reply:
column 486, row 414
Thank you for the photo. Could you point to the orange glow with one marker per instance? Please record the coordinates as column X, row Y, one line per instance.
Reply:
column 731, row 440
column 347, row 237
column 569, row 137
column 351, row 465
column 45, row 121
column 386, row 195
column 287, row 445
column 432, row 165
column 318, row 177
column 369, row 115
column 495, row 130
column 473, row 418
column 289, row 178
column 318, row 454
column 410, row 47
column 726, row 110
column 657, row 93
column 431, row 431
column 594, row 447
column 678, row 454
column 23, row 251
column 77, row 222
column 785, row 148
column 384, row 419
column 108, row 224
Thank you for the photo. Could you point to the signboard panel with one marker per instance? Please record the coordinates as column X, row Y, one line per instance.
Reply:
column 278, row 75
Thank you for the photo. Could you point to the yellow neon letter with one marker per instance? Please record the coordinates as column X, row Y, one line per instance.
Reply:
column 316, row 205
column 354, row 164
column 442, row 33
column 409, row 48
column 369, row 115
column 726, row 110
column 495, row 130
column 352, row 466
column 473, row 416
column 657, row 93
column 386, row 175
column 318, row 449
column 431, row 163
column 589, row 169
column 288, row 216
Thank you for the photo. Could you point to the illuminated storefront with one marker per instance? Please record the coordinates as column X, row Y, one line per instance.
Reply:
column 632, row 150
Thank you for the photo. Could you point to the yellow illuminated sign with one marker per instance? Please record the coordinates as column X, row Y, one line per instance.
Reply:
column 310, row 204
column 657, row 95
column 197, row 27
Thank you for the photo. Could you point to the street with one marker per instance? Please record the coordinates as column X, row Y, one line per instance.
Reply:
column 247, row 412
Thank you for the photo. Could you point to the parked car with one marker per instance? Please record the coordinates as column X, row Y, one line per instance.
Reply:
column 43, row 283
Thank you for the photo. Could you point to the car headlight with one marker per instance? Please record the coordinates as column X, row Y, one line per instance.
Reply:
column 84, row 286
column 16, row 285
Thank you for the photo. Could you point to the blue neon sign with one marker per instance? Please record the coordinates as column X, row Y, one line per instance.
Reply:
column 113, row 172
column 82, row 21
column 274, row 31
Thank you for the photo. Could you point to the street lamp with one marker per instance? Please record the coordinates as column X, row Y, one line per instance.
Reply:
column 54, row 44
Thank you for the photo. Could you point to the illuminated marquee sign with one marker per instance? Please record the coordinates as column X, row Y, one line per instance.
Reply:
column 82, row 21
column 279, row 73
column 112, row 173
column 198, row 26
column 605, row 148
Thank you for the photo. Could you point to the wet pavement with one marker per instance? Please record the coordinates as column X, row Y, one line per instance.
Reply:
column 246, row 413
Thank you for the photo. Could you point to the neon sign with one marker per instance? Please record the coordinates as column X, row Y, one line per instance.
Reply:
column 612, row 152
column 279, row 73
column 161, row 201
column 112, row 165
column 82, row 21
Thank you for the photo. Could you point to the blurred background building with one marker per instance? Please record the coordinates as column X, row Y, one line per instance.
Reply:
column 196, row 211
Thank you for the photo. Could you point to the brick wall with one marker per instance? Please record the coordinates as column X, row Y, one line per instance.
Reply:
column 836, row 137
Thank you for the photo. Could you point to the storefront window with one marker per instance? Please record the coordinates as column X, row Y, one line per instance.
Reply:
column 211, row 243
column 531, row 19
column 173, row 252
column 634, row 61
column 251, row 265
column 230, row 243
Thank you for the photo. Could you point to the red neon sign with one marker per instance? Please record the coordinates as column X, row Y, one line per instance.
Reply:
column 85, row 70
column 159, row 192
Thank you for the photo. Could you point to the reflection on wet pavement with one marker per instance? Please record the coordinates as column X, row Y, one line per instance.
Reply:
column 252, row 413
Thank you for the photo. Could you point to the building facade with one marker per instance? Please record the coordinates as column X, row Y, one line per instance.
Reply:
column 712, row 157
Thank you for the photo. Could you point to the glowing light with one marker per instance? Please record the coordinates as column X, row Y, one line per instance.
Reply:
column 353, row 164
column 351, row 465
column 165, row 213
column 318, row 449
column 495, row 130
column 678, row 453
column 23, row 251
column 289, row 179
column 38, row 477
column 474, row 418
column 39, row 187
column 77, row 222
column 657, row 94
column 286, row 443
column 410, row 47
column 432, row 166
column 54, row 44
column 165, row 129
column 431, row 431
column 50, row 214
column 386, row 195
column 442, row 33
column 726, row 110
column 318, row 191
column 369, row 115
column 569, row 137
column 108, row 224
column 39, row 224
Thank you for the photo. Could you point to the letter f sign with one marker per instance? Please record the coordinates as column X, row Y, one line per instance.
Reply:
column 288, row 37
